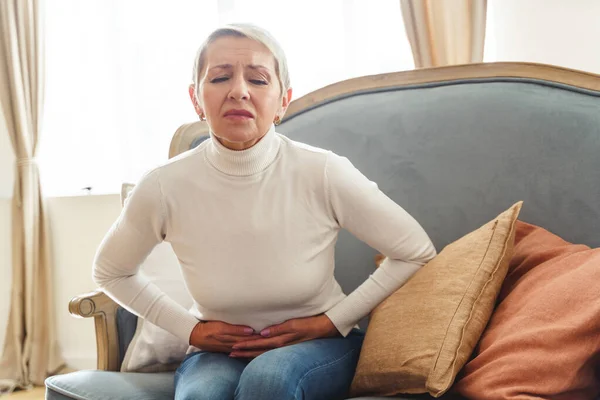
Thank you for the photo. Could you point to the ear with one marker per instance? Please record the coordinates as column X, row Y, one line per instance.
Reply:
column 192, row 92
column 285, row 102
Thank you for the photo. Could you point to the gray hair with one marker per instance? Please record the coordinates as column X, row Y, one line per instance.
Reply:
column 251, row 32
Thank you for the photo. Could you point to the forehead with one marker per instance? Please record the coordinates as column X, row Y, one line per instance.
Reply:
column 238, row 50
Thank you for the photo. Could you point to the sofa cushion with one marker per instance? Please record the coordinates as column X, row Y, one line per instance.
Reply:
column 103, row 385
column 545, row 333
column 420, row 337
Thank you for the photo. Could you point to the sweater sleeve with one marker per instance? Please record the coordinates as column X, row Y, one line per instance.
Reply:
column 360, row 207
column 116, row 267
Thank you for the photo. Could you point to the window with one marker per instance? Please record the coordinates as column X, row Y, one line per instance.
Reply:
column 117, row 72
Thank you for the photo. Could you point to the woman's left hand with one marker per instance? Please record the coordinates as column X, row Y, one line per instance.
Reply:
column 285, row 334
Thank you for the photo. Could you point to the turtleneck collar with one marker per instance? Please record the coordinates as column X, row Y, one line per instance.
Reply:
column 244, row 162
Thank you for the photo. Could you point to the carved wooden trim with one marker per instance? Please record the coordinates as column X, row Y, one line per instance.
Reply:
column 543, row 72
column 104, row 310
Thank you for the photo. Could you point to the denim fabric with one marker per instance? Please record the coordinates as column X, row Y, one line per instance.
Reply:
column 317, row 369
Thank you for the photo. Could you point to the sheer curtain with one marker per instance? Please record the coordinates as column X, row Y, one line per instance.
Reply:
column 118, row 71
column 490, row 48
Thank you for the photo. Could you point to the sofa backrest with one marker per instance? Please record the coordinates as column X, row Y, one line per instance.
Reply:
column 455, row 146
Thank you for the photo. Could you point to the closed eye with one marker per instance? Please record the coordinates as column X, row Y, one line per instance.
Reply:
column 218, row 80
column 258, row 82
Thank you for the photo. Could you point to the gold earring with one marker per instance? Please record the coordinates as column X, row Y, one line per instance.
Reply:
column 277, row 120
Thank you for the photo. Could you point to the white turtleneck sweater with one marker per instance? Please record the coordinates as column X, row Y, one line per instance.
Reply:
column 254, row 232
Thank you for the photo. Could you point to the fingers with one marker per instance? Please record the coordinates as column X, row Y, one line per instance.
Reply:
column 290, row 326
column 266, row 343
column 235, row 330
column 231, row 339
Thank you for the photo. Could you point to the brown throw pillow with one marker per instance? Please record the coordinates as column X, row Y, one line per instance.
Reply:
column 422, row 335
column 543, row 341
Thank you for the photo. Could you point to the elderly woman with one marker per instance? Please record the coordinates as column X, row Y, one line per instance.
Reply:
column 253, row 218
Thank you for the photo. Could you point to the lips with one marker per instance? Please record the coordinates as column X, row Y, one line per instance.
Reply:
column 239, row 113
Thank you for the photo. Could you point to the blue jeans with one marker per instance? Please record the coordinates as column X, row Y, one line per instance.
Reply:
column 317, row 369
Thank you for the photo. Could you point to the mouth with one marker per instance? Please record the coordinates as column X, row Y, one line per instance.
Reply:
column 238, row 114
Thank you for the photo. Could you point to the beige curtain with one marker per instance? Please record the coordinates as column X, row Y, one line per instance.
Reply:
column 30, row 350
column 445, row 32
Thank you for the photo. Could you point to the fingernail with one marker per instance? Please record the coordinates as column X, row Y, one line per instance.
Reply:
column 265, row 332
column 248, row 330
column 232, row 355
column 235, row 347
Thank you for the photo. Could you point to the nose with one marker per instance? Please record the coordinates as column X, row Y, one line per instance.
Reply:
column 239, row 89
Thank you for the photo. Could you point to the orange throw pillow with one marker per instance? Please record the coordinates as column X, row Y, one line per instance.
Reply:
column 543, row 340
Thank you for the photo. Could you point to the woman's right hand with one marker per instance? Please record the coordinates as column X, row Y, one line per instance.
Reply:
column 219, row 337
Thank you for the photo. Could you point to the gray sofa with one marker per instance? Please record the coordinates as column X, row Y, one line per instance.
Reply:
column 454, row 146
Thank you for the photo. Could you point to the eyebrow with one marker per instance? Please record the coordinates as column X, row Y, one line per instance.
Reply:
column 229, row 66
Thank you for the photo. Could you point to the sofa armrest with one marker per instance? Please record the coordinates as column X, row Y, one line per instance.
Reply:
column 104, row 310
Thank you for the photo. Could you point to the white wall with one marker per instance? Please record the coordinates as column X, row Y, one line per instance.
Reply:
column 559, row 32
column 78, row 225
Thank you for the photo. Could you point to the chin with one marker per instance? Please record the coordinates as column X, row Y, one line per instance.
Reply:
column 237, row 136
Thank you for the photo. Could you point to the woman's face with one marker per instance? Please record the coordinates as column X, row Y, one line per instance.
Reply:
column 239, row 94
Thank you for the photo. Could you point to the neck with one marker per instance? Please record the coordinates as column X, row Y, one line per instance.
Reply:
column 237, row 146
column 246, row 161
